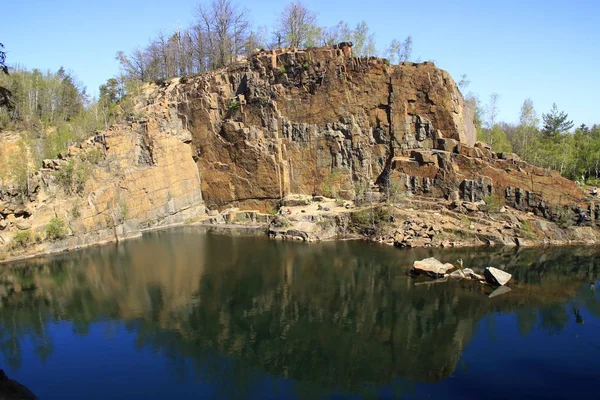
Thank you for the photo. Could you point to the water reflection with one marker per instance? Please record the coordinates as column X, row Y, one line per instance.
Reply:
column 331, row 316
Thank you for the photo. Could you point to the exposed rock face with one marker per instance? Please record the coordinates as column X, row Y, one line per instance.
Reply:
column 315, row 121
column 309, row 121
column 141, row 175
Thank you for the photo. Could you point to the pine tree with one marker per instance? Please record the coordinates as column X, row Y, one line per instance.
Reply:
column 556, row 122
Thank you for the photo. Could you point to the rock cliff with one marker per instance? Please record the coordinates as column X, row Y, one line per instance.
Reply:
column 316, row 121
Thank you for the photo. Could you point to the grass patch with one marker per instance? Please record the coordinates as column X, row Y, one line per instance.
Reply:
column 527, row 230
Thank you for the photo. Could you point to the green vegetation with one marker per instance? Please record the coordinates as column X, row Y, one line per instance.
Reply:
column 21, row 240
column 369, row 221
column 222, row 33
column 333, row 181
column 493, row 203
column 554, row 144
column 527, row 230
column 73, row 175
column 56, row 229
column 234, row 105
column 564, row 218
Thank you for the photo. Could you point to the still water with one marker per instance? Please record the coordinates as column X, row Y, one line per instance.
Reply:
column 186, row 314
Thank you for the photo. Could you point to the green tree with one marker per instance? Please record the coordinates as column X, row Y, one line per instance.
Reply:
column 523, row 139
column 496, row 138
column 363, row 41
column 556, row 122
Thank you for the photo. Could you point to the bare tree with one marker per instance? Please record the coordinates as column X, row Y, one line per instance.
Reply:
column 400, row 51
column 336, row 34
column 226, row 29
column 135, row 66
column 297, row 26
column 492, row 110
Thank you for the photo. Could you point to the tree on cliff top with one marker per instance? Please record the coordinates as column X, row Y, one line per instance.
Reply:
column 225, row 28
column 297, row 26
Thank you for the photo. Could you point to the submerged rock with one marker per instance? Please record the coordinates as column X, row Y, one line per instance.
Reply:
column 496, row 276
column 432, row 267
column 499, row 291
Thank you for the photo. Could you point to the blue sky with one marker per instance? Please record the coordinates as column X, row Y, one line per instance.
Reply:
column 546, row 50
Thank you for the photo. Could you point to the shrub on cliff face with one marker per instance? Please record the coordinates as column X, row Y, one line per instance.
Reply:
column 493, row 203
column 56, row 229
column 73, row 175
column 22, row 239
column 563, row 218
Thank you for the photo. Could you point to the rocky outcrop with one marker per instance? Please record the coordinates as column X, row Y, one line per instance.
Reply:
column 134, row 176
column 310, row 122
column 313, row 121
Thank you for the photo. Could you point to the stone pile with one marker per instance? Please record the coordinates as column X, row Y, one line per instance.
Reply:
column 441, row 271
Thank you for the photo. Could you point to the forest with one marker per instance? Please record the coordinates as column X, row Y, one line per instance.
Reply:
column 49, row 111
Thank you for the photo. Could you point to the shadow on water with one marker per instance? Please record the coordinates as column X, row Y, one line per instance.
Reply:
column 338, row 316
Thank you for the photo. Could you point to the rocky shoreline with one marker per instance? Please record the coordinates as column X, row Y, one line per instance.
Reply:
column 411, row 222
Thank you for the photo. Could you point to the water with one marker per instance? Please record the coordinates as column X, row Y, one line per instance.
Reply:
column 185, row 314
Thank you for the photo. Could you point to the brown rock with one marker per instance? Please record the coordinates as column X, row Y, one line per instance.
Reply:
column 431, row 266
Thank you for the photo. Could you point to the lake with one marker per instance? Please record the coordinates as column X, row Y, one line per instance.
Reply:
column 187, row 314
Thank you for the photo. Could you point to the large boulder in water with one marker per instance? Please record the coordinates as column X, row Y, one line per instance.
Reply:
column 496, row 276
column 431, row 266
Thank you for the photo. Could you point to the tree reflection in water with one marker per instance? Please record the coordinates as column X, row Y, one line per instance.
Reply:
column 331, row 315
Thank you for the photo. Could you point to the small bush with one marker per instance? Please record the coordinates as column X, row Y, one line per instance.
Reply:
column 75, row 212
column 56, row 230
column 22, row 239
column 493, row 203
column 93, row 156
column 370, row 220
column 563, row 218
column 234, row 105
column 280, row 222
column 340, row 202
column 73, row 175
column 282, row 69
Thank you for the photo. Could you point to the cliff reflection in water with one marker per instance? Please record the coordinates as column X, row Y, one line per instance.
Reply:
column 336, row 315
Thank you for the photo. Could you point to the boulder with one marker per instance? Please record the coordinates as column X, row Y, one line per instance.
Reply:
column 23, row 226
column 496, row 276
column 432, row 267
column 446, row 144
